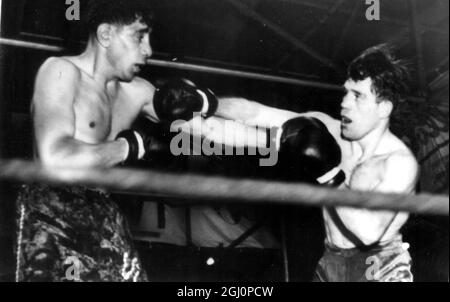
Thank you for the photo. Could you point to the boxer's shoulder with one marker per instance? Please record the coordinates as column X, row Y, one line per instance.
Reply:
column 398, row 168
column 56, row 80
column 401, row 172
column 139, row 89
column 141, row 92
column 139, row 85
column 402, row 160
column 60, row 68
column 399, row 152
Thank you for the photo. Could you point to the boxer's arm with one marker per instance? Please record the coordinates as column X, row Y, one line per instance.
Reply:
column 400, row 176
column 54, row 121
column 252, row 113
column 239, row 134
column 146, row 92
column 226, row 132
column 255, row 114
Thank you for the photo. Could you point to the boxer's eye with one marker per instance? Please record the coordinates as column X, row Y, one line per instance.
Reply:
column 139, row 36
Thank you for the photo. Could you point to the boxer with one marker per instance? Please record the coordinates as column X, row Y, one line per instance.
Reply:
column 82, row 110
column 361, row 245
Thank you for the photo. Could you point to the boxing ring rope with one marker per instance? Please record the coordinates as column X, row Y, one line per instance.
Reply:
column 219, row 189
column 30, row 45
column 190, row 67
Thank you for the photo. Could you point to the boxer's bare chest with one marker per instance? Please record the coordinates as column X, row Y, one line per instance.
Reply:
column 364, row 174
column 101, row 113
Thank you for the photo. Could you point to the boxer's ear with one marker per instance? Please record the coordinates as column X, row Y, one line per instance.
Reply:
column 104, row 32
column 385, row 108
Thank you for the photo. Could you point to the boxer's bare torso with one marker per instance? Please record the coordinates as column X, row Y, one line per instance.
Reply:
column 81, row 108
column 80, row 118
column 391, row 161
column 102, row 113
column 388, row 166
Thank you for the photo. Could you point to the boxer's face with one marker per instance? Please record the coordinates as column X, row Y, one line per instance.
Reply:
column 360, row 110
column 129, row 50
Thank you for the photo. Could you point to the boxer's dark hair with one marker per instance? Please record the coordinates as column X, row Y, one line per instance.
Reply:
column 389, row 75
column 120, row 12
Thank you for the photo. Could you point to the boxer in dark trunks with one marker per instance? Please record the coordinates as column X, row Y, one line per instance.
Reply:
column 83, row 110
column 80, row 104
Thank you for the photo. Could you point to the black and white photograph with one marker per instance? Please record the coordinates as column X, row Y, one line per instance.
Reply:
column 248, row 143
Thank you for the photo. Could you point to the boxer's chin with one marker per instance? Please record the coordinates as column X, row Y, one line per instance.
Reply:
column 347, row 134
column 128, row 77
column 350, row 136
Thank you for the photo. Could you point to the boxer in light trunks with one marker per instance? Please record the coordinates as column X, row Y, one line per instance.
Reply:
column 361, row 245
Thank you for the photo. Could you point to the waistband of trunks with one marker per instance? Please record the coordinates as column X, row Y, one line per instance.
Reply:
column 69, row 189
column 393, row 243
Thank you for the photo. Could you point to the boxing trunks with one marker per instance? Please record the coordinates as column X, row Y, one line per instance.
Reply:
column 72, row 234
column 387, row 262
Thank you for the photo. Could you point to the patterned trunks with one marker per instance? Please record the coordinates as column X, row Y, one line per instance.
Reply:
column 389, row 262
column 73, row 234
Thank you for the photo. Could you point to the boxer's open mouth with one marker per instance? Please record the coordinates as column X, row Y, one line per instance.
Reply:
column 345, row 120
column 138, row 67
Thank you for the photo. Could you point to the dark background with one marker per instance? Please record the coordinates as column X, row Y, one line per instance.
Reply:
column 299, row 39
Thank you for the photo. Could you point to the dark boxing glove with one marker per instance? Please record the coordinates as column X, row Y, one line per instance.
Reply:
column 145, row 140
column 136, row 147
column 180, row 98
column 309, row 151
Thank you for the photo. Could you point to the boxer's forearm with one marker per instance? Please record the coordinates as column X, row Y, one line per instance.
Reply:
column 226, row 132
column 252, row 113
column 69, row 152
column 236, row 108
column 232, row 133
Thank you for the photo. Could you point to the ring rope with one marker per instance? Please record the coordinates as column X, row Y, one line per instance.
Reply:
column 192, row 67
column 31, row 45
column 219, row 189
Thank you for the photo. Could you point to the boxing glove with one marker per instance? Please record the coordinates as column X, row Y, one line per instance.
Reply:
column 180, row 98
column 145, row 140
column 310, row 152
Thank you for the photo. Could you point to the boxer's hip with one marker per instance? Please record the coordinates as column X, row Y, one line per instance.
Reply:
column 70, row 227
column 386, row 261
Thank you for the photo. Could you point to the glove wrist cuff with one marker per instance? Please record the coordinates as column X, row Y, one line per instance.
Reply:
column 334, row 177
column 278, row 135
column 127, row 147
column 140, row 143
column 205, row 105
column 132, row 143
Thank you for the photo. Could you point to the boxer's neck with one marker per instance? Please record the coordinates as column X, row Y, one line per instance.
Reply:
column 94, row 63
column 371, row 144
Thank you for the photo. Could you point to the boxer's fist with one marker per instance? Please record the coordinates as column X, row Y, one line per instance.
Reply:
column 145, row 141
column 136, row 145
column 308, row 150
column 180, row 98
